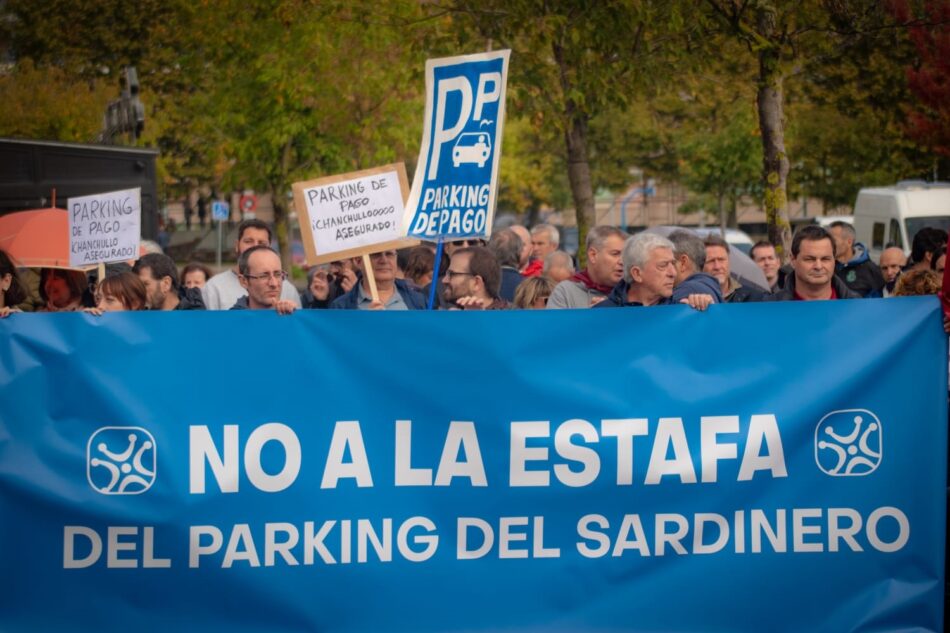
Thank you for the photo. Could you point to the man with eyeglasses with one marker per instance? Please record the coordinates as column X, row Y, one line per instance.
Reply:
column 473, row 280
column 394, row 294
column 260, row 275
column 449, row 249
column 224, row 289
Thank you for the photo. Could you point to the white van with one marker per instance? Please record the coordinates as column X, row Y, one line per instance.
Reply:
column 891, row 216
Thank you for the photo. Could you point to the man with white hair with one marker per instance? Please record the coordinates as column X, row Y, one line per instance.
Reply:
column 544, row 240
column 649, row 273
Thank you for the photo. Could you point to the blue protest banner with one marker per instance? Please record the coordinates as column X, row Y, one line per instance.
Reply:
column 454, row 189
column 244, row 471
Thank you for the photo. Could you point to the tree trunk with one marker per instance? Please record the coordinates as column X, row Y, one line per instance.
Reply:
column 722, row 214
column 578, row 173
column 770, row 102
column 278, row 196
column 281, row 227
column 578, row 167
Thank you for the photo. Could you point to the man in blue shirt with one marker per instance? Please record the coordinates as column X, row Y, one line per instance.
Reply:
column 394, row 294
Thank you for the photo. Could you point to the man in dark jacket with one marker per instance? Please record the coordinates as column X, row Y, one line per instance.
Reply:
column 648, row 276
column 160, row 276
column 813, row 269
column 506, row 246
column 764, row 256
column 690, row 254
column 718, row 265
column 394, row 294
column 854, row 267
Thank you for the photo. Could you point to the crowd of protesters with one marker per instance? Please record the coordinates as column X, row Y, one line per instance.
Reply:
column 515, row 269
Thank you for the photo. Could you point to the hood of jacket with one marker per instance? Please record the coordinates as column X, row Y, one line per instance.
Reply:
column 860, row 255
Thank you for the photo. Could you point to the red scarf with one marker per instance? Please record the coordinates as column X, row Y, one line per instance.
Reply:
column 585, row 279
column 534, row 269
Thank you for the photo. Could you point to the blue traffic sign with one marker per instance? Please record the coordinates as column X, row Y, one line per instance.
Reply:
column 220, row 210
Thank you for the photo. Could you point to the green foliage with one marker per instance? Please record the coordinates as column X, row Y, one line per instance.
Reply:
column 99, row 37
column 573, row 62
column 532, row 171
column 726, row 162
column 261, row 93
column 847, row 116
column 48, row 103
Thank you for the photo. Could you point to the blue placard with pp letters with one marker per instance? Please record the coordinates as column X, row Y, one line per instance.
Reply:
column 455, row 186
column 757, row 467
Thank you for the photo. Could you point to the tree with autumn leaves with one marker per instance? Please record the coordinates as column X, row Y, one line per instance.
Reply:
column 929, row 80
column 262, row 93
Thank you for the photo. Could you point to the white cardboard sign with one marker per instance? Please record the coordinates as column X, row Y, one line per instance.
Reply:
column 352, row 214
column 105, row 227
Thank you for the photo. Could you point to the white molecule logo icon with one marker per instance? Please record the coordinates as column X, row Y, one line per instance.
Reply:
column 120, row 460
column 849, row 443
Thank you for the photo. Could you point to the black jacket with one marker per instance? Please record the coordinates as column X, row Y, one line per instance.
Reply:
column 618, row 298
column 861, row 274
column 746, row 293
column 190, row 299
column 788, row 292
column 510, row 280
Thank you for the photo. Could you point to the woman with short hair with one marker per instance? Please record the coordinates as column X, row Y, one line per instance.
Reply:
column 119, row 293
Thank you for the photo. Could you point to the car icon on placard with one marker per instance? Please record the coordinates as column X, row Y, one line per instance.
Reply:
column 471, row 147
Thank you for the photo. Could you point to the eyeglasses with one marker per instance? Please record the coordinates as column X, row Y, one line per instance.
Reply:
column 454, row 273
column 280, row 275
column 467, row 242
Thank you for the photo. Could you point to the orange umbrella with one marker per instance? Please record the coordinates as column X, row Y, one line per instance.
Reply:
column 37, row 238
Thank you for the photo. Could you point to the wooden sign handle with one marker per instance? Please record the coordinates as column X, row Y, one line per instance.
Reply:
column 368, row 271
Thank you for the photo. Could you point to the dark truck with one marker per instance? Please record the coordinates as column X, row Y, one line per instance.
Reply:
column 30, row 170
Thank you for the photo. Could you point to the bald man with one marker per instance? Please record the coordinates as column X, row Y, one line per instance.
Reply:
column 892, row 261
